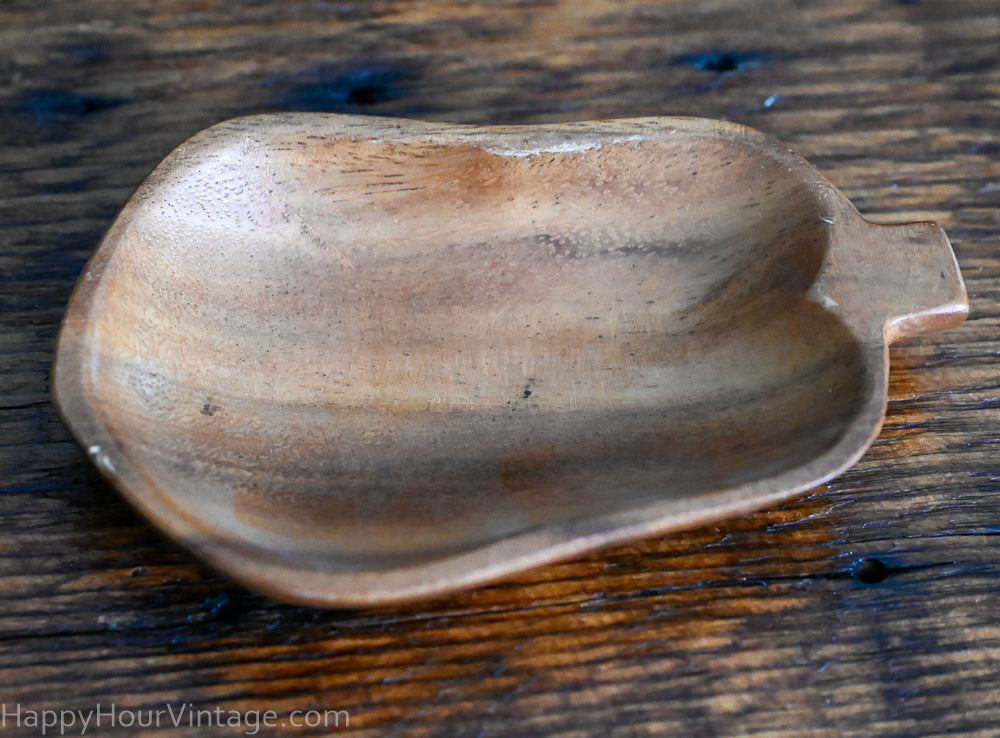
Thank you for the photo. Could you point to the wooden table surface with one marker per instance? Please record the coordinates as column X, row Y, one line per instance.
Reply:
column 870, row 606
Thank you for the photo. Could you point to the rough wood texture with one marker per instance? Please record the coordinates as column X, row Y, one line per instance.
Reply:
column 352, row 360
column 867, row 607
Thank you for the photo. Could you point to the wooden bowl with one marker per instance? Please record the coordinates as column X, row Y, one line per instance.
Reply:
column 351, row 360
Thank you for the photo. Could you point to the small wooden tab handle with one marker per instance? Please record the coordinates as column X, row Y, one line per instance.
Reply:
column 897, row 280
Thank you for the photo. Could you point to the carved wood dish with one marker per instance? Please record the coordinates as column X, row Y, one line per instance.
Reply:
column 354, row 360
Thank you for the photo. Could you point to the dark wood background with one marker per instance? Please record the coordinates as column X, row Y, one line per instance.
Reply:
column 871, row 606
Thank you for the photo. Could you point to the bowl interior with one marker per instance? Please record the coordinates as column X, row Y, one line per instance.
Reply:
column 377, row 353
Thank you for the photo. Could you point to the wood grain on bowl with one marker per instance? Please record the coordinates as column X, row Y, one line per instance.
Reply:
column 352, row 359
